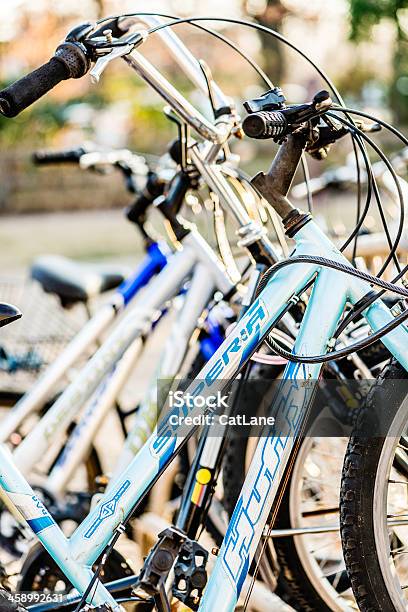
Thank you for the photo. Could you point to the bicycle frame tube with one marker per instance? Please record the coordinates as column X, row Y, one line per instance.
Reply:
column 137, row 322
column 91, row 536
column 273, row 452
column 209, row 131
column 37, row 516
column 215, row 134
column 201, row 289
column 185, row 59
column 79, row 442
column 195, row 501
column 154, row 261
column 194, row 301
column 95, row 531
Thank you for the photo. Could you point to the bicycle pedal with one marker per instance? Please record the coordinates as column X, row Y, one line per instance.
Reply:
column 160, row 560
column 190, row 574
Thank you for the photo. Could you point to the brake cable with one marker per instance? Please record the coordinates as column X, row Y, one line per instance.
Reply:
column 358, row 211
column 259, row 71
column 328, row 263
column 366, row 208
column 393, row 246
column 381, row 122
column 193, row 21
column 306, row 177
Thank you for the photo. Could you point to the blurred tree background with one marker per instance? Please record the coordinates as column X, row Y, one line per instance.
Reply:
column 360, row 43
column 364, row 15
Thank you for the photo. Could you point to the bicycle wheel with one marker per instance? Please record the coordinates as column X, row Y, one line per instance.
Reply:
column 41, row 573
column 374, row 502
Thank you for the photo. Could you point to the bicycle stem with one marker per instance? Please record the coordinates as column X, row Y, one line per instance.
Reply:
column 275, row 185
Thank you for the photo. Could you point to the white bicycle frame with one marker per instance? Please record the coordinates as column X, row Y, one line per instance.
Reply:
column 121, row 343
column 76, row 554
column 101, row 321
column 202, row 288
column 55, row 422
column 81, row 344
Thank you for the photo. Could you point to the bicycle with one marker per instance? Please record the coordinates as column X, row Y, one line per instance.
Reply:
column 80, row 439
column 256, row 322
column 72, row 284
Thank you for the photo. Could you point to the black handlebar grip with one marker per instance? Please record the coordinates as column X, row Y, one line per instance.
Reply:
column 27, row 90
column 69, row 156
column 112, row 25
column 69, row 61
column 265, row 124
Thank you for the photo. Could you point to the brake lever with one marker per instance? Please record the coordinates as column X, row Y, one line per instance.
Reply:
column 112, row 49
column 102, row 62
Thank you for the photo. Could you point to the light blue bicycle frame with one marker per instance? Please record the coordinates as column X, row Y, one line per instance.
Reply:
column 331, row 291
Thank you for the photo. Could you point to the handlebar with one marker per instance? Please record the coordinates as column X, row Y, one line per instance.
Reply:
column 139, row 179
column 85, row 46
column 69, row 62
column 265, row 124
column 132, row 166
column 69, row 156
column 279, row 123
column 72, row 60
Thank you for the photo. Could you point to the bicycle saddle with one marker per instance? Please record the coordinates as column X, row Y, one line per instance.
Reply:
column 75, row 282
column 8, row 314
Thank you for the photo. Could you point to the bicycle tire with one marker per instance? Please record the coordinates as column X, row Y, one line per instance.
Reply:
column 358, row 497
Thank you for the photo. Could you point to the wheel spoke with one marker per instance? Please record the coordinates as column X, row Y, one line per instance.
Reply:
column 339, row 580
column 320, row 512
column 398, row 552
